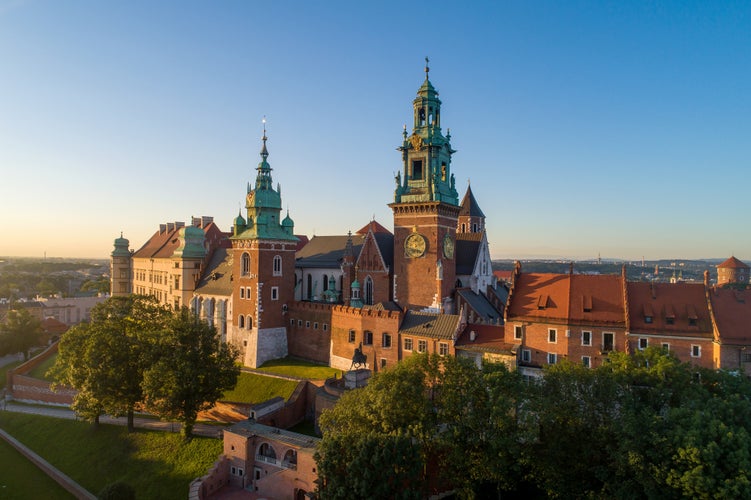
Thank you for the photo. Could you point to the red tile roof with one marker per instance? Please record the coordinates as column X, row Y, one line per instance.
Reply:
column 597, row 298
column 373, row 226
column 161, row 245
column 732, row 313
column 733, row 263
column 672, row 307
column 540, row 296
column 488, row 338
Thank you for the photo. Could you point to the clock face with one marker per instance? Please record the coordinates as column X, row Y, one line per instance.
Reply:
column 414, row 245
column 448, row 247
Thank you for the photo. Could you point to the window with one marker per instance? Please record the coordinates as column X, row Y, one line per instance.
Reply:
column 552, row 334
column 518, row 331
column 647, row 319
column 291, row 322
column 367, row 338
column 586, row 338
column 274, row 293
column 241, row 321
column 245, row 265
column 386, row 340
column 307, row 324
column 746, row 358
column 608, row 340
column 695, row 351
column 407, row 344
column 277, row 265
column 417, row 169
column 325, row 327
column 526, row 356
column 665, row 346
column 368, row 299
column 552, row 358
column 443, row 349
column 643, row 343
column 670, row 320
column 587, row 361
column 242, row 292
column 691, row 321
column 422, row 345
column 249, row 322
column 315, row 325
column 351, row 338
column 383, row 362
column 299, row 323
column 177, row 282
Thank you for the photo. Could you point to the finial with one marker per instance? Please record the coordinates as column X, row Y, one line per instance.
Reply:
column 469, row 182
column 427, row 68
column 448, row 134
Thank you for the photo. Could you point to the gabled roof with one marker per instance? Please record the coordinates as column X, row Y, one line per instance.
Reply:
column 672, row 308
column 432, row 325
column 732, row 263
column 217, row 277
column 385, row 242
column 732, row 314
column 373, row 226
column 327, row 251
column 540, row 296
column 488, row 338
column 469, row 205
column 466, row 255
column 480, row 305
column 161, row 245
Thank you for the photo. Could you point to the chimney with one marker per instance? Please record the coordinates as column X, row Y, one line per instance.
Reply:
column 706, row 278
column 162, row 228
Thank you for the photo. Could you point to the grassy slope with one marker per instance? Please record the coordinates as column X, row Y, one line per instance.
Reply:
column 252, row 388
column 156, row 464
column 298, row 368
column 22, row 480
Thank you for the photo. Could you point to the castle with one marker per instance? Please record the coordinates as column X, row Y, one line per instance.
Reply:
column 428, row 286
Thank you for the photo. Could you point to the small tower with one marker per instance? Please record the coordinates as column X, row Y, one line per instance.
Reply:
column 120, row 268
column 732, row 271
column 263, row 270
column 471, row 218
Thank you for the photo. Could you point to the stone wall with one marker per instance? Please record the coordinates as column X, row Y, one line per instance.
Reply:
column 216, row 478
column 24, row 388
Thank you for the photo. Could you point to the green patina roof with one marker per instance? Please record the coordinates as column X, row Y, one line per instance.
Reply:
column 121, row 247
column 191, row 243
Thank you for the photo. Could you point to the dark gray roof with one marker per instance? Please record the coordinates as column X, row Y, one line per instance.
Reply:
column 384, row 306
column 480, row 304
column 385, row 242
column 466, row 255
column 433, row 325
column 470, row 206
column 252, row 428
column 217, row 278
column 326, row 251
column 500, row 291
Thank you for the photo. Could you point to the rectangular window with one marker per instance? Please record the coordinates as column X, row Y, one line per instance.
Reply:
column 242, row 292
column 647, row 319
column 422, row 345
column 443, row 349
column 367, row 338
column 552, row 358
column 526, row 356
column 386, row 340
column 608, row 341
column 669, row 321
column 665, row 346
column 552, row 335
column 299, row 323
column 383, row 362
column 315, row 325
column 351, row 338
column 307, row 324
column 407, row 344
column 274, row 293
column 518, row 330
column 325, row 327
column 587, row 361
column 643, row 343
column 586, row 338
column 695, row 351
column 746, row 358
column 291, row 322
column 691, row 321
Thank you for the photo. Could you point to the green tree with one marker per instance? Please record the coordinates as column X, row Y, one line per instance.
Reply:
column 105, row 360
column 189, row 371
column 20, row 332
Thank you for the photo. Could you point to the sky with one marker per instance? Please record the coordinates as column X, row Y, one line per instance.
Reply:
column 619, row 129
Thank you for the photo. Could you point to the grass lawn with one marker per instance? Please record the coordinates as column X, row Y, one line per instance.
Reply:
column 252, row 388
column 22, row 480
column 40, row 370
column 4, row 371
column 156, row 464
column 298, row 368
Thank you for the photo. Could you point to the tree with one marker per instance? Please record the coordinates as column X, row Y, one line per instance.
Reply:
column 20, row 332
column 189, row 371
column 105, row 360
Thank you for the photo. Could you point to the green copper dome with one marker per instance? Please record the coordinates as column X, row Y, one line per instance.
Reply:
column 121, row 247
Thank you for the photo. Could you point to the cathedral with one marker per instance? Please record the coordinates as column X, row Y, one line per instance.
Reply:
column 388, row 294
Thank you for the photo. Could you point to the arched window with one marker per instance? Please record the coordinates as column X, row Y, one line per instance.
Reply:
column 290, row 459
column 241, row 321
column 464, row 228
column 277, row 265
column 368, row 299
column 249, row 323
column 245, row 270
column 267, row 451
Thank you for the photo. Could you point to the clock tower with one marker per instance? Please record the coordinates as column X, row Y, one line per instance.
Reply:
column 426, row 209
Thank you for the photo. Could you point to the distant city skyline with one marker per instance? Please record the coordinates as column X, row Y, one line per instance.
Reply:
column 607, row 128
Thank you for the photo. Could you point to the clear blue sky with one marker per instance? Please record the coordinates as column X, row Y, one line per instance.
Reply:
column 618, row 128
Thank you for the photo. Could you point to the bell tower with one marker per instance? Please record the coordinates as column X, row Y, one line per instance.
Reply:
column 426, row 209
column 263, row 270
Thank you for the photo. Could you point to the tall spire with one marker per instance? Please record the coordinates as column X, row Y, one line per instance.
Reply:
column 263, row 177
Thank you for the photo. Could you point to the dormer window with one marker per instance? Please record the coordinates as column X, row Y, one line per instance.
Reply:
column 542, row 301
column 669, row 315
column 648, row 313
column 587, row 303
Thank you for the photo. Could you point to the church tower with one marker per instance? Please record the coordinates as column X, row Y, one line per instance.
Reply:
column 263, row 270
column 426, row 209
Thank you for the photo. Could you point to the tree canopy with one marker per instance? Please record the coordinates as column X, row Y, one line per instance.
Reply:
column 20, row 332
